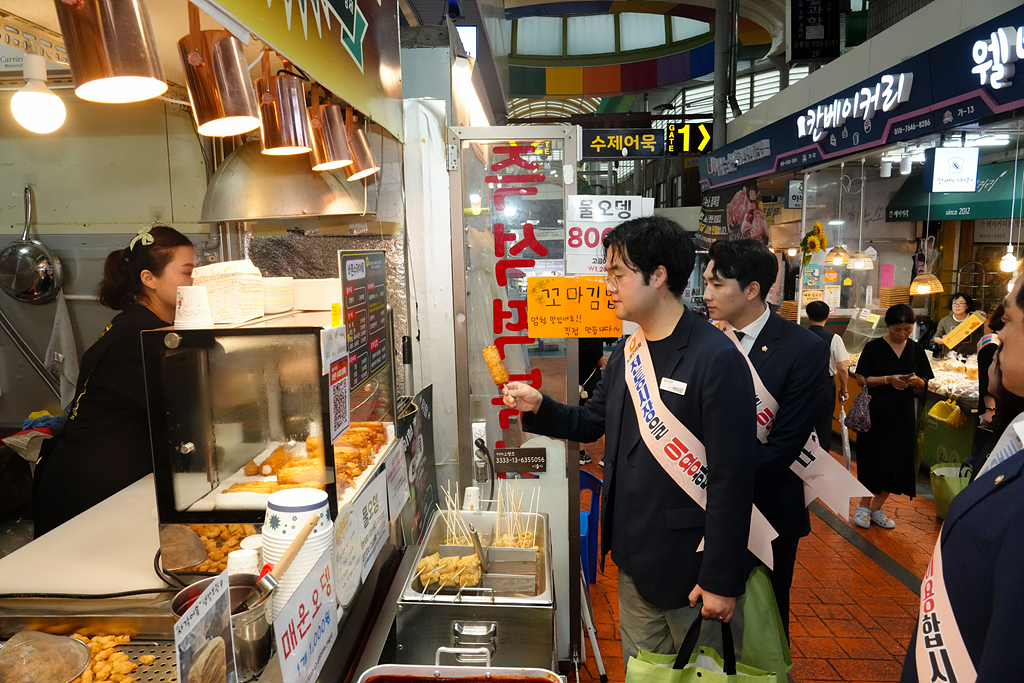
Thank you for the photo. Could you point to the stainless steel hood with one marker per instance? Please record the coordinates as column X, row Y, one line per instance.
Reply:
column 252, row 186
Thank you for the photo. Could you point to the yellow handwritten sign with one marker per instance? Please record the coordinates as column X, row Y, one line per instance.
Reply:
column 565, row 307
column 963, row 330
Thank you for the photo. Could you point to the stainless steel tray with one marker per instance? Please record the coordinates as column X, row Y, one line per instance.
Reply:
column 504, row 583
column 413, row 673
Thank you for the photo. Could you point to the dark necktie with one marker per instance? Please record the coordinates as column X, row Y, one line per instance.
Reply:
column 740, row 335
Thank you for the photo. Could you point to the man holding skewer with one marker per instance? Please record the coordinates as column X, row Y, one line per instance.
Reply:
column 676, row 406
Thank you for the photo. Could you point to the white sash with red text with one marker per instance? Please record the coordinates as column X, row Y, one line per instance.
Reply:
column 676, row 449
column 940, row 653
column 823, row 476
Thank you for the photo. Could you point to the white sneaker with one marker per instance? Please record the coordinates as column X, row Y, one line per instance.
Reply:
column 879, row 518
column 862, row 517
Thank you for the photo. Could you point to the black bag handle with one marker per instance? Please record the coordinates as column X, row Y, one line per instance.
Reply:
column 690, row 642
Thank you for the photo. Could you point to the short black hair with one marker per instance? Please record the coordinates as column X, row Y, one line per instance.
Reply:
column 900, row 314
column 817, row 311
column 966, row 297
column 643, row 244
column 745, row 261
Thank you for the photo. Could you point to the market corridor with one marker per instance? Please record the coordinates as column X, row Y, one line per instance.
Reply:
column 854, row 599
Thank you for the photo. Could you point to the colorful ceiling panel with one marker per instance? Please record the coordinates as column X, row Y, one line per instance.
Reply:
column 595, row 81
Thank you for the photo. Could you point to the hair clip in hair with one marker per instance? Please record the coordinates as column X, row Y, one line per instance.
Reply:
column 143, row 236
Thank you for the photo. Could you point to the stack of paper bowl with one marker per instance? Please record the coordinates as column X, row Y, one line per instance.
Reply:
column 277, row 295
column 287, row 512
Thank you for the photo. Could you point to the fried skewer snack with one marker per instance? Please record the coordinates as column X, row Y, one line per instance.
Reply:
column 498, row 372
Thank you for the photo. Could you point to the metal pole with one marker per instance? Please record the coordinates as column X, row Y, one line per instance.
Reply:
column 799, row 254
column 718, row 137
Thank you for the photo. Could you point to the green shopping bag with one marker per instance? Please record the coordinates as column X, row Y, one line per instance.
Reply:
column 703, row 666
column 764, row 644
column 948, row 479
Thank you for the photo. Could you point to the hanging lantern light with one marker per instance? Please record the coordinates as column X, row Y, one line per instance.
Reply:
column 837, row 256
column 217, row 76
column 111, row 50
column 330, row 140
column 285, row 122
column 925, row 283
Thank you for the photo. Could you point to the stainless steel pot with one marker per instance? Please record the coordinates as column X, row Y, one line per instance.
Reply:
column 424, row 673
column 251, row 630
column 29, row 271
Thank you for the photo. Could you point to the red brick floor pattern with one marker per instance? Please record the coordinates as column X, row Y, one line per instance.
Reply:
column 850, row 619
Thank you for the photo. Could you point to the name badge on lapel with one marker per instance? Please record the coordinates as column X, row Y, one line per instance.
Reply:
column 676, row 387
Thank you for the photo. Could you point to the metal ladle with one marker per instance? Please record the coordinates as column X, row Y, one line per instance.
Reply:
column 37, row 657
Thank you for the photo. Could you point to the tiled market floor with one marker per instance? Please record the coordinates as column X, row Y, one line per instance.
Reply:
column 851, row 618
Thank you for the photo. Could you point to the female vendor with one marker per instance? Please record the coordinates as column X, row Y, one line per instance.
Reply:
column 105, row 443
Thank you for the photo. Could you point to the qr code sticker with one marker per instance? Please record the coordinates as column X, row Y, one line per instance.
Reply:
column 339, row 399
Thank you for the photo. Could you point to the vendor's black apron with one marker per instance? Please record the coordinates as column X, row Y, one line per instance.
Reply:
column 90, row 462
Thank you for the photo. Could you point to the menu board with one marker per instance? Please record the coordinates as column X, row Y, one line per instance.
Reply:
column 564, row 307
column 365, row 300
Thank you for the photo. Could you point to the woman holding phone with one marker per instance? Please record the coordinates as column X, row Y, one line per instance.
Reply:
column 890, row 368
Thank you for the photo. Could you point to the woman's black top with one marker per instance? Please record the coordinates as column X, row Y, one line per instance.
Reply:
column 105, row 443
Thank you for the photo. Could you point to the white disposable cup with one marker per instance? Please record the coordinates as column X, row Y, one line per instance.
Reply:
column 471, row 501
column 244, row 561
column 193, row 307
column 254, row 542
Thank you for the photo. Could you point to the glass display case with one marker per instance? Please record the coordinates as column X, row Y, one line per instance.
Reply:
column 865, row 324
column 239, row 413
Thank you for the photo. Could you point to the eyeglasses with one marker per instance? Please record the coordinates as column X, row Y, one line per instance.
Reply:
column 612, row 281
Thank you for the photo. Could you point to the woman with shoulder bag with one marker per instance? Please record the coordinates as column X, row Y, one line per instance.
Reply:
column 889, row 369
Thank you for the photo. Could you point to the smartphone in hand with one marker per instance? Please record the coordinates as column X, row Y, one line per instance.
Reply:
column 908, row 376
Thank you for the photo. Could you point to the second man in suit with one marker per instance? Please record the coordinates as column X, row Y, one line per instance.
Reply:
column 791, row 362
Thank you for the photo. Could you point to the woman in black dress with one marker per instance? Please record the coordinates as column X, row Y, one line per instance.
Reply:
column 890, row 367
column 105, row 445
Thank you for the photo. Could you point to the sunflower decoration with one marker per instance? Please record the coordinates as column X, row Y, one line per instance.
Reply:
column 813, row 242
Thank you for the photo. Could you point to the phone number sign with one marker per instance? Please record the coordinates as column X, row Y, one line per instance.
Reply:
column 530, row 460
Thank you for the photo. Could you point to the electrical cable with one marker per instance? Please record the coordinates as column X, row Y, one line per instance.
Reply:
column 89, row 596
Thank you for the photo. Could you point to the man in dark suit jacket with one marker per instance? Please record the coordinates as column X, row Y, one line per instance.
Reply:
column 651, row 526
column 790, row 361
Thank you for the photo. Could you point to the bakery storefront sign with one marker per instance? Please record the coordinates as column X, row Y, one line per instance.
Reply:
column 994, row 58
column 887, row 93
column 962, row 80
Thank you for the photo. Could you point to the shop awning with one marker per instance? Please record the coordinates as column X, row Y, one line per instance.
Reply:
column 992, row 200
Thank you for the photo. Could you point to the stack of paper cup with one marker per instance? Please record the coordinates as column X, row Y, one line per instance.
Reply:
column 287, row 512
column 193, row 309
column 277, row 294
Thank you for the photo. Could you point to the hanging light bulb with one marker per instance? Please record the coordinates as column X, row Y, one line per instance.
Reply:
column 330, row 141
column 111, row 50
column 217, row 76
column 285, row 121
column 1008, row 263
column 363, row 163
column 35, row 106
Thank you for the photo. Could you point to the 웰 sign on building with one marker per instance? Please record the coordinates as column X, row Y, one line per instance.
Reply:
column 965, row 79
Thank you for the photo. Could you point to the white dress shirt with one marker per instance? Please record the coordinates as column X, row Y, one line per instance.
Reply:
column 751, row 331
